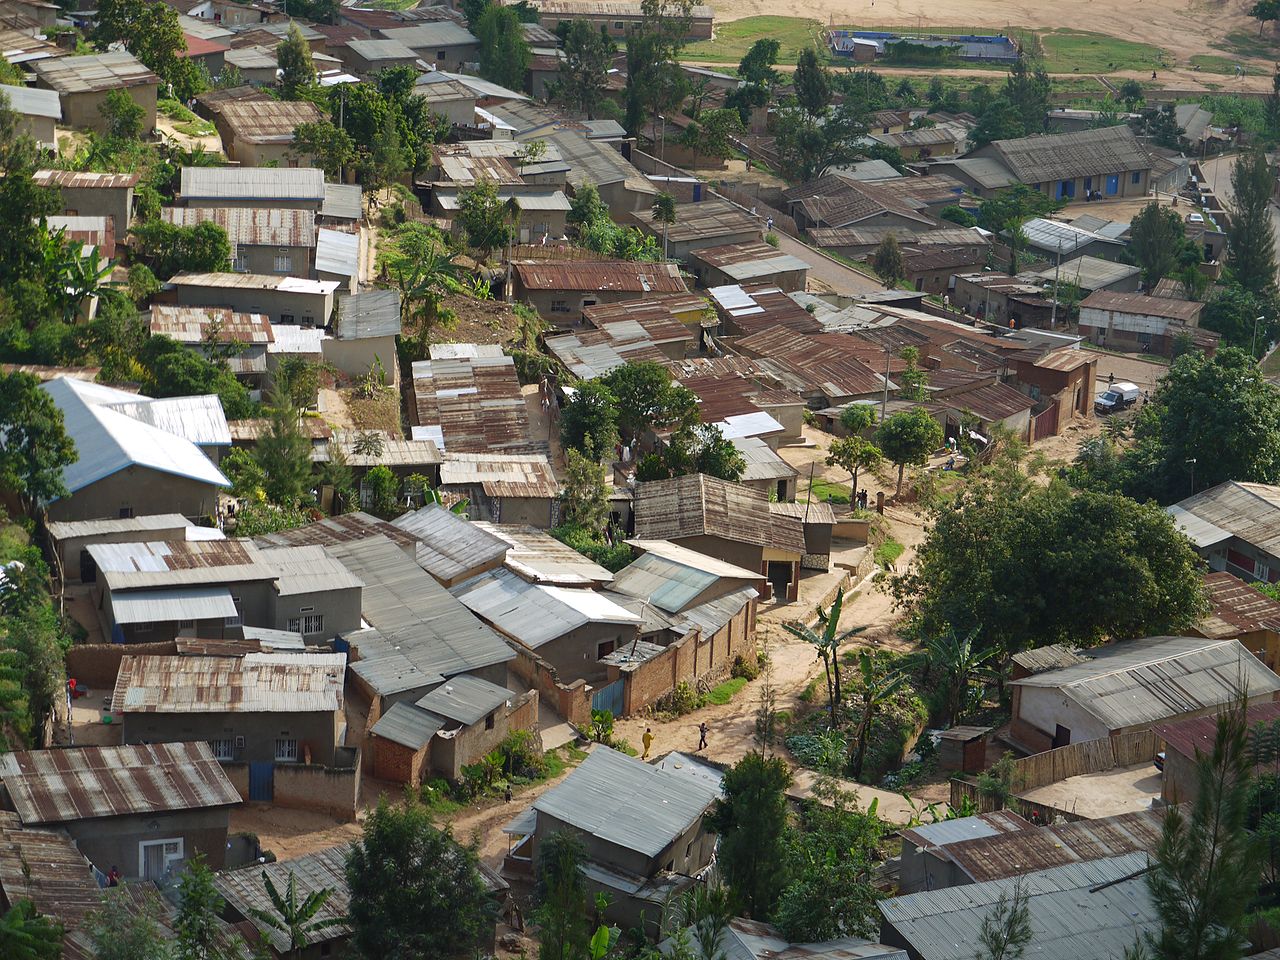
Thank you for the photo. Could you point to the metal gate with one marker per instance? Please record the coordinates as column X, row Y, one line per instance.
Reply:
column 262, row 782
column 609, row 698
column 1045, row 424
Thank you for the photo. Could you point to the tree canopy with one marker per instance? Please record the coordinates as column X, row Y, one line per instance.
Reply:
column 35, row 447
column 504, row 52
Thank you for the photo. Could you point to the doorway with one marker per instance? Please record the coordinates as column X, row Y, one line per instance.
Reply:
column 1061, row 736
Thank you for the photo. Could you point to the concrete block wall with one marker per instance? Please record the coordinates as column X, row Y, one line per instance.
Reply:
column 96, row 665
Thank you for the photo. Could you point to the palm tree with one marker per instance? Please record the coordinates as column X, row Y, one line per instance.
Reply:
column 295, row 920
column 876, row 691
column 828, row 646
column 27, row 935
column 664, row 212
column 424, row 284
column 958, row 660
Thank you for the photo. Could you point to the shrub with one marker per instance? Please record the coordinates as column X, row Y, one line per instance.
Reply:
column 683, row 699
column 522, row 755
column 746, row 667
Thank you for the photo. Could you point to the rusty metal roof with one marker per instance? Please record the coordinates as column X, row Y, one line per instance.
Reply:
column 246, row 891
column 698, row 505
column 84, row 783
column 501, row 475
column 1065, row 359
column 44, row 866
column 655, row 319
column 537, row 556
column 1186, row 311
column 706, row 219
column 590, row 354
column 1197, row 734
column 254, row 683
column 253, row 429
column 251, row 226
column 754, row 260
column 475, row 404
column 1041, row 848
column 268, row 121
column 990, row 403
column 195, row 324
column 600, row 276
column 83, row 180
column 1237, row 608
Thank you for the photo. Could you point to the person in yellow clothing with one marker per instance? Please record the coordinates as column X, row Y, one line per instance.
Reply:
column 647, row 740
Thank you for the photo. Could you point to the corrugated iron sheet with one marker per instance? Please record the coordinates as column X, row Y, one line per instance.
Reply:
column 408, row 725
column 600, row 276
column 537, row 556
column 660, row 806
column 254, row 683
column 102, row 71
column 476, row 402
column 465, row 699
column 501, row 475
column 699, row 505
column 448, row 546
column 251, row 226
column 195, row 324
column 246, row 891
column 252, row 183
column 84, row 783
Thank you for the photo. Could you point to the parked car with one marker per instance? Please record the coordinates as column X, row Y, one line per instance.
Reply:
column 1195, row 218
column 1119, row 396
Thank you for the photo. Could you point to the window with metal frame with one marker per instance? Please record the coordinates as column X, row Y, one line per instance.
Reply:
column 224, row 749
column 286, row 750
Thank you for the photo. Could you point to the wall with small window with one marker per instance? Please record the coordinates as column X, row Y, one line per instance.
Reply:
column 156, row 841
column 280, row 738
column 317, row 616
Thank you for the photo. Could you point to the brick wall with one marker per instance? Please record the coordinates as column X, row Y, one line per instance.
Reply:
column 396, row 763
column 95, row 665
column 449, row 754
column 323, row 789
column 573, row 702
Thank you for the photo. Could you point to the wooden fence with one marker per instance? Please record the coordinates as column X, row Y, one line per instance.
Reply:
column 1073, row 760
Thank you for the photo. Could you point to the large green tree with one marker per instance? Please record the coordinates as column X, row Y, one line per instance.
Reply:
column 1157, row 237
column 24, row 208
column 647, row 397
column 1022, row 566
column 283, row 453
column 415, row 891
column 812, row 84
column 297, row 70
column 486, row 219
column 168, row 248
column 561, row 898
column 751, row 820
column 655, row 81
column 26, row 934
column 1027, row 89
column 504, row 52
column 1251, row 253
column 907, row 438
column 1006, row 212
column 34, row 446
column 1217, row 414
column 582, row 80
column 589, row 421
column 1244, row 319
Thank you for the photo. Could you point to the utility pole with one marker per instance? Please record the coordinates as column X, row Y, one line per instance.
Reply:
column 1193, row 462
column 1253, row 344
column 1057, row 267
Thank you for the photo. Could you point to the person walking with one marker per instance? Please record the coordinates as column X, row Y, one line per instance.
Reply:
column 647, row 740
column 702, row 735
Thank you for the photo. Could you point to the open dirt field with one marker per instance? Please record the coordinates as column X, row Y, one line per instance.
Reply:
column 1182, row 28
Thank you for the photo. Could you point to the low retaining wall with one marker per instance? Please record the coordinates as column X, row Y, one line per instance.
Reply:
column 573, row 702
column 307, row 786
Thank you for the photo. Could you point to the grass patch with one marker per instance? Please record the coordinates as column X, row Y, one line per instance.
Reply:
column 724, row 692
column 1271, row 365
column 809, row 692
column 887, row 554
column 1078, row 51
column 1247, row 43
column 830, row 492
column 733, row 39
column 174, row 110
column 199, row 128
column 1214, row 64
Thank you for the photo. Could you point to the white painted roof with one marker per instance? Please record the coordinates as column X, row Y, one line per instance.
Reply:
column 337, row 252
column 109, row 441
column 749, row 425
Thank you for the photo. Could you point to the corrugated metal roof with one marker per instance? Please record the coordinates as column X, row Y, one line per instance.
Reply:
column 539, row 557
column 395, row 451
column 1137, row 682
column 1186, row 311
column 430, row 37
column 251, row 226
column 102, row 71
column 338, row 251
column 61, row 785
column 475, row 402
column 252, row 183
column 752, row 940
column 501, row 475
column 699, row 505
column 660, row 805
column 712, row 616
column 817, row 513
column 1081, row 910
column 342, row 201
column 373, row 50
column 246, row 891
column 590, row 354
column 45, row 867
column 449, row 546
column 254, row 683
column 254, row 281
column 420, row 621
column 162, row 606
column 536, row 614
column 1249, row 511
column 1089, row 273
column 293, row 339
column 108, row 441
column 965, row 828
column 1067, row 156
column 32, row 101
column 1052, row 235
column 600, row 276
column 408, row 725
column 763, row 463
column 1041, row 848
column 68, row 529
column 703, row 220
column 375, row 313
column 744, row 262
column 198, row 419
column 1237, row 608
column 465, row 699
column 666, row 584
column 607, row 8
column 343, row 528
column 1197, row 734
column 480, row 87
column 1051, row 657
column 193, row 325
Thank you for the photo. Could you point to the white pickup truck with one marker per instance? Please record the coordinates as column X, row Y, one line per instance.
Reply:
column 1119, row 396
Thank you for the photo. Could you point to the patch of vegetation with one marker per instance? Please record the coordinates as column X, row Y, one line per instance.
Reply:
column 733, row 39
column 1214, row 64
column 830, row 492
column 199, row 128
column 1232, row 111
column 1079, row 51
column 174, row 110
column 724, row 692
column 887, row 554
column 1247, row 43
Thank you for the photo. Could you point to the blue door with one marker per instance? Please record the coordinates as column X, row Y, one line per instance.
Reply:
column 1113, row 184
column 609, row 698
column 262, row 782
